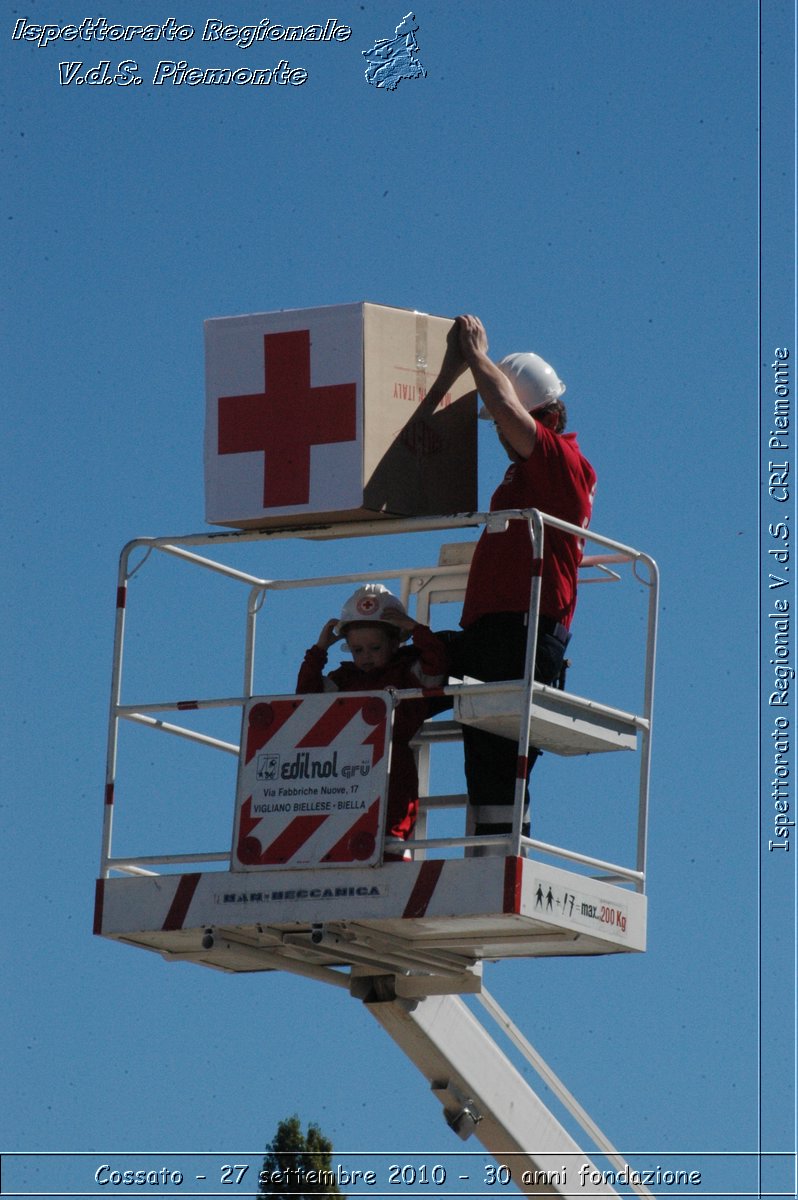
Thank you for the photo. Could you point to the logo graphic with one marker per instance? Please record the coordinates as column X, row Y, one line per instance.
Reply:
column 268, row 766
column 393, row 59
column 366, row 605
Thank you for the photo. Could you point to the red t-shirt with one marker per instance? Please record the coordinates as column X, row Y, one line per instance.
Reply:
column 558, row 480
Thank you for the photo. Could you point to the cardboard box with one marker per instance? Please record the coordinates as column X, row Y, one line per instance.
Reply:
column 340, row 413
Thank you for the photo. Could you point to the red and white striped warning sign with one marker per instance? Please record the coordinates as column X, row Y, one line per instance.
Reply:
column 312, row 780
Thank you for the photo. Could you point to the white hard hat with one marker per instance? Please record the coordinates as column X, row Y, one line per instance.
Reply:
column 535, row 382
column 368, row 604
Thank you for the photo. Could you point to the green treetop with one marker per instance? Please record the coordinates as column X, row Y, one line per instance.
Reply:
column 298, row 1165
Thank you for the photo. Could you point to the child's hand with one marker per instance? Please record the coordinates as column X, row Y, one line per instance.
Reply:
column 398, row 618
column 328, row 636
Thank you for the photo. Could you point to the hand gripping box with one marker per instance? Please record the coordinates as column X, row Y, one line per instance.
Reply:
column 334, row 414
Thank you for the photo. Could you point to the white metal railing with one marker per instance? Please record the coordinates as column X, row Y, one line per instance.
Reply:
column 416, row 581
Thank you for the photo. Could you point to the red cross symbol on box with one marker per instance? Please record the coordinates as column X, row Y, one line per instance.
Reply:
column 287, row 418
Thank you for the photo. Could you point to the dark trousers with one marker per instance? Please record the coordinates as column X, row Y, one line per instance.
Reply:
column 492, row 649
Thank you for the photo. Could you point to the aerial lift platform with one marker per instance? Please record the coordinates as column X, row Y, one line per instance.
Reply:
column 443, row 911
column 406, row 937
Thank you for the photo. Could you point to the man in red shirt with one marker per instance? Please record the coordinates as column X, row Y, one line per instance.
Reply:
column 522, row 396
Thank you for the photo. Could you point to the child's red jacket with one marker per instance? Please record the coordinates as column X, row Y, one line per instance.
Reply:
column 421, row 665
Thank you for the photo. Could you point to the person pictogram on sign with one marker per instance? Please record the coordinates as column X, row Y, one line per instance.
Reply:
column 373, row 624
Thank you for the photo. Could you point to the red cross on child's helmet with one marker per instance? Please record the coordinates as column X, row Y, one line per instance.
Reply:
column 368, row 604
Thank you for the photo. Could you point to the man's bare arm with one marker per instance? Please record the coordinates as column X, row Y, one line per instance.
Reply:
column 515, row 425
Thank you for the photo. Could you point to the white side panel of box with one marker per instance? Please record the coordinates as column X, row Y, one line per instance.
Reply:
column 235, row 366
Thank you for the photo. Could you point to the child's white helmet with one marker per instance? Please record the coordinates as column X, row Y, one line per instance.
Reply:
column 368, row 604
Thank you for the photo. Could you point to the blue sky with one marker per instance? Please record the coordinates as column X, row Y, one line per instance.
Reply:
column 583, row 175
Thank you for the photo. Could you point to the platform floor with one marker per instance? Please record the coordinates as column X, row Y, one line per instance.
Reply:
column 438, row 919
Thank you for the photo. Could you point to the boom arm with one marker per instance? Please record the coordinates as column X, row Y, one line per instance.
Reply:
column 483, row 1093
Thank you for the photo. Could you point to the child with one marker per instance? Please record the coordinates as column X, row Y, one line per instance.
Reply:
column 373, row 623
